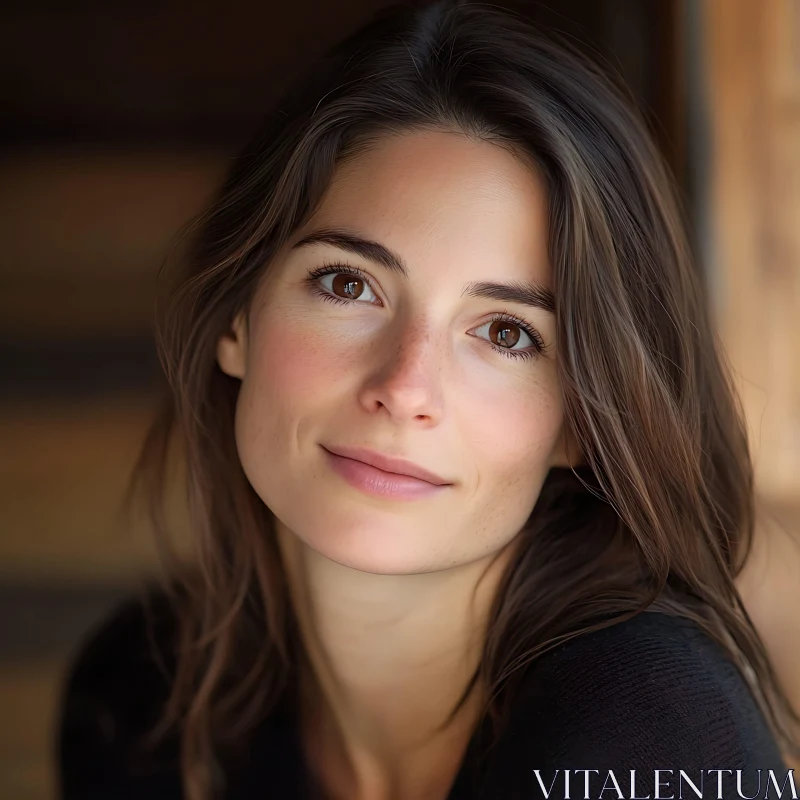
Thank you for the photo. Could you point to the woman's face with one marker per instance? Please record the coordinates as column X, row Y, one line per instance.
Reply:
column 405, row 366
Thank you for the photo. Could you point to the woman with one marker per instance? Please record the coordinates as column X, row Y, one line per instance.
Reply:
column 468, row 480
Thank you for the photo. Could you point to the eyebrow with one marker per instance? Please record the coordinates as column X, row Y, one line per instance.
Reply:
column 526, row 293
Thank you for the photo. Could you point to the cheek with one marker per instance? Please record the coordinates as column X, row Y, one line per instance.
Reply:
column 290, row 380
column 296, row 373
column 290, row 364
column 511, row 453
column 514, row 442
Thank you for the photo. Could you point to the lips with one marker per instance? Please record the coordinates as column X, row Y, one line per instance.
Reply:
column 390, row 464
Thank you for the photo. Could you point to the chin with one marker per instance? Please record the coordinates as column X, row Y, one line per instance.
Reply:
column 375, row 552
column 367, row 534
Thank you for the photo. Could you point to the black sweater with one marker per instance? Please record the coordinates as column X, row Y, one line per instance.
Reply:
column 652, row 693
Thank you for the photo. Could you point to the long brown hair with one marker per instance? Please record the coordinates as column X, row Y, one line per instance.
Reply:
column 661, row 513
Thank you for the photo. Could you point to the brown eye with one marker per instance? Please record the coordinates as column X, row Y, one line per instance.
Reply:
column 346, row 284
column 349, row 286
column 507, row 333
column 504, row 335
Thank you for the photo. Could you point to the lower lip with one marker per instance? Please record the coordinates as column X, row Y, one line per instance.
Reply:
column 376, row 482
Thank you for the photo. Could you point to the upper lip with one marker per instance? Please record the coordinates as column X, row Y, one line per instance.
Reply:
column 399, row 466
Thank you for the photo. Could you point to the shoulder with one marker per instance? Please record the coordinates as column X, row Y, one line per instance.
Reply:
column 115, row 690
column 132, row 642
column 652, row 692
column 653, row 659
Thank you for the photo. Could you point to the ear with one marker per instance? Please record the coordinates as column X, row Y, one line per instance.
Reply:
column 232, row 348
column 567, row 452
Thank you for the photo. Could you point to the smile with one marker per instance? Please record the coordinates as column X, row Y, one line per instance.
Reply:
column 380, row 483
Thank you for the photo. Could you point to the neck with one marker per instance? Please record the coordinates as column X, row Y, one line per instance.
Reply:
column 389, row 658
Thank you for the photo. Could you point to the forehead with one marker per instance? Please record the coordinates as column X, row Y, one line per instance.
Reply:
column 441, row 196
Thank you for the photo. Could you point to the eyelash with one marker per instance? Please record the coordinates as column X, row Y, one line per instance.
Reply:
column 337, row 268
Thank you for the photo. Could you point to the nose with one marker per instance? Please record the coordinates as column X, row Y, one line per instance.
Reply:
column 407, row 376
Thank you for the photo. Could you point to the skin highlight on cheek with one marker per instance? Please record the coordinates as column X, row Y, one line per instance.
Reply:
column 298, row 355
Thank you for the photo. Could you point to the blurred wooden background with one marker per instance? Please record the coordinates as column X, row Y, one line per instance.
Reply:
column 752, row 254
column 117, row 124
